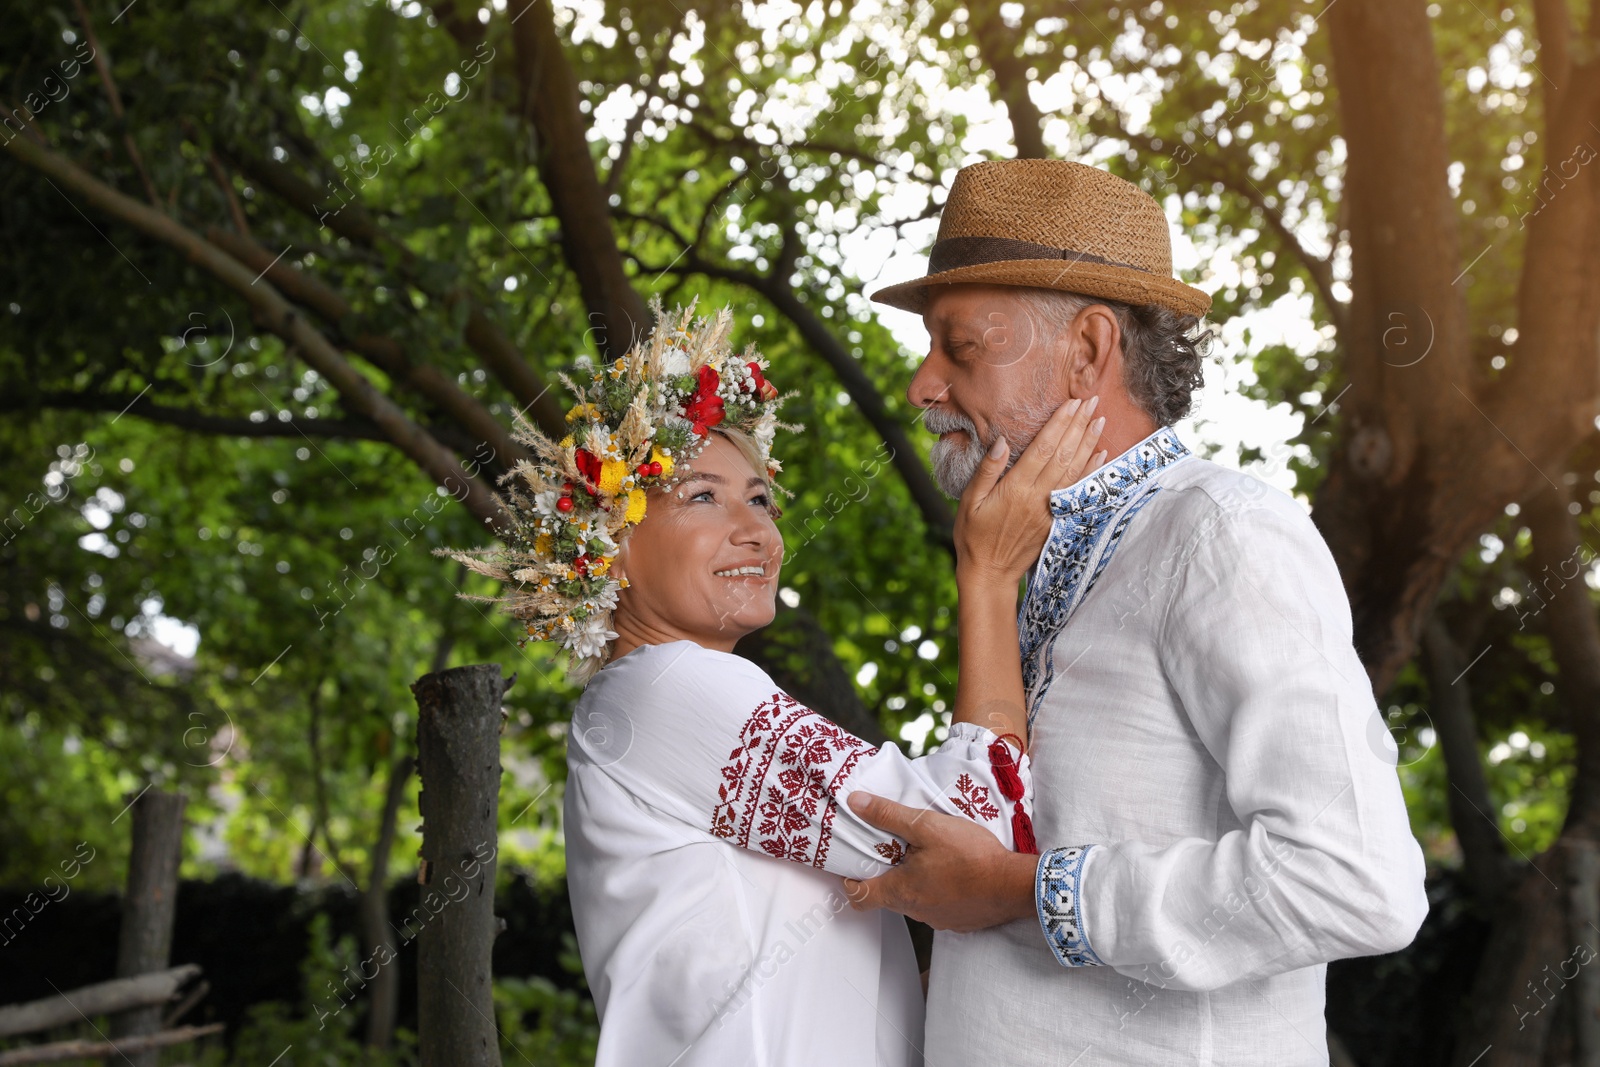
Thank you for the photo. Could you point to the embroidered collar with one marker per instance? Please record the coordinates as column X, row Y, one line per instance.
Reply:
column 1090, row 518
column 1104, row 490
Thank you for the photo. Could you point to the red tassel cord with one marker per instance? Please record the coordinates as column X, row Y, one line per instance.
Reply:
column 1022, row 831
column 1005, row 770
column 1006, row 776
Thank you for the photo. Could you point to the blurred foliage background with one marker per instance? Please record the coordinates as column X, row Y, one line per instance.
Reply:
column 215, row 570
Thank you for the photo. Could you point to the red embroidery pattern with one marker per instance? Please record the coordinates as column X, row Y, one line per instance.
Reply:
column 893, row 851
column 974, row 800
column 782, row 780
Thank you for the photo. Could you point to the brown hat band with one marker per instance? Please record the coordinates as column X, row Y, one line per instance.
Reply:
column 950, row 253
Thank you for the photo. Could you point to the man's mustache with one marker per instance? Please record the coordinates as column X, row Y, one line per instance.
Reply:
column 937, row 420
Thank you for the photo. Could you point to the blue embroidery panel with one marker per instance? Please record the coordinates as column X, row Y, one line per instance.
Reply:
column 1090, row 519
column 1060, row 906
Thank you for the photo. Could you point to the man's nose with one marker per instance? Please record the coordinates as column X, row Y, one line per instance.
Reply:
column 928, row 386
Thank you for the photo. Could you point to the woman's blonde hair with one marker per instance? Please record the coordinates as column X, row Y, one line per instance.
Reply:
column 751, row 451
column 748, row 449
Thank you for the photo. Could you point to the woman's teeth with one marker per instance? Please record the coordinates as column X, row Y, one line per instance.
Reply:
column 759, row 572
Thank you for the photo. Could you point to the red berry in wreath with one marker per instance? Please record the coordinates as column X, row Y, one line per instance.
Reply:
column 564, row 504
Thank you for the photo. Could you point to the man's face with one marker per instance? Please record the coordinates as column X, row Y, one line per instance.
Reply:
column 988, row 372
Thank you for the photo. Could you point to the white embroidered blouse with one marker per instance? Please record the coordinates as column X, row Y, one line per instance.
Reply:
column 705, row 829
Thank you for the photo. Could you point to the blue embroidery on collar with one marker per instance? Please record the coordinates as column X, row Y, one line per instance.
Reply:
column 1090, row 519
column 1059, row 901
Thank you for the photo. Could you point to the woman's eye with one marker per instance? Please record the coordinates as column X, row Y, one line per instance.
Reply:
column 761, row 500
column 707, row 493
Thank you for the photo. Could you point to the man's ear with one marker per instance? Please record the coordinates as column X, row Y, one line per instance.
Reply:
column 1095, row 357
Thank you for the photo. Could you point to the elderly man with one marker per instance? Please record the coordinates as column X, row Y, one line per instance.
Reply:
column 1217, row 805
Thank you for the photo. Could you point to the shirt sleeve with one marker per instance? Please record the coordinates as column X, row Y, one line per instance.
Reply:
column 1322, row 864
column 714, row 743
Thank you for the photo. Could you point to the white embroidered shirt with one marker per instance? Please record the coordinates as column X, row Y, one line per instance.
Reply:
column 1215, row 791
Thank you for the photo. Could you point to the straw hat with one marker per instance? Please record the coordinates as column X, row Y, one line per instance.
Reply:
column 1051, row 224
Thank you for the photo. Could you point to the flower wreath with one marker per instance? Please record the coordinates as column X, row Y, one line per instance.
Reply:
column 635, row 425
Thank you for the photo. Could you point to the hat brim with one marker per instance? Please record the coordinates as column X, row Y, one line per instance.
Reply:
column 1089, row 279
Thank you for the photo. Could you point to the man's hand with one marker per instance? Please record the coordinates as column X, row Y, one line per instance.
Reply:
column 955, row 876
column 1004, row 517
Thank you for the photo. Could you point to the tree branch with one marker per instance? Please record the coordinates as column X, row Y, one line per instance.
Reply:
column 1318, row 268
column 359, row 394
column 617, row 314
column 102, row 63
column 927, row 496
column 502, row 358
column 235, row 209
column 997, row 45
column 635, row 121
column 383, row 352
column 466, row 29
column 734, row 137
column 198, row 421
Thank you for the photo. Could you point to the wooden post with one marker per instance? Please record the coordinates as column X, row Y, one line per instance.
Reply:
column 145, row 941
column 458, row 762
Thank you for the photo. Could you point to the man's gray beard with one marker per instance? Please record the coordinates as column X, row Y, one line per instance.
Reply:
column 955, row 464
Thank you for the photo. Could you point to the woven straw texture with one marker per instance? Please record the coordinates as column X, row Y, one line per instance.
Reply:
column 1075, row 211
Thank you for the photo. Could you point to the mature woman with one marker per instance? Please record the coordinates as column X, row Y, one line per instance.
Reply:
column 705, row 819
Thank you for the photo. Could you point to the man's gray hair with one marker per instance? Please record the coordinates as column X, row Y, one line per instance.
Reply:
column 1162, row 350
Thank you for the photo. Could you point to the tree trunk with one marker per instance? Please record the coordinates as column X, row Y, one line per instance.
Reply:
column 458, row 760
column 617, row 314
column 1483, row 850
column 145, row 940
column 1378, row 506
column 1506, row 1021
column 1558, row 560
column 375, row 929
column 1543, row 942
column 1583, row 928
column 1431, row 450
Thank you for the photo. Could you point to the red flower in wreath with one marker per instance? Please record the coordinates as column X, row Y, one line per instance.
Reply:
column 704, row 409
column 764, row 389
column 588, row 464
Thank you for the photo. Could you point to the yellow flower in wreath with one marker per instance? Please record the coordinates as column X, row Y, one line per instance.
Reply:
column 636, row 502
column 611, row 474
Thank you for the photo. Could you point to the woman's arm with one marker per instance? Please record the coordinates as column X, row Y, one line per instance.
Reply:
column 1001, row 527
column 709, row 740
column 989, row 689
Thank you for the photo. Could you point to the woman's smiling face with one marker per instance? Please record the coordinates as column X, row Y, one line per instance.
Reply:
column 703, row 565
